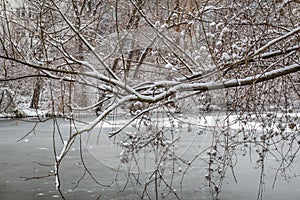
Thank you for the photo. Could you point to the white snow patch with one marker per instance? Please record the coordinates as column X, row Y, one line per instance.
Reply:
column 169, row 66
column 164, row 26
column 210, row 35
column 212, row 24
column 225, row 56
column 219, row 43
column 33, row 112
column 203, row 49
column 157, row 24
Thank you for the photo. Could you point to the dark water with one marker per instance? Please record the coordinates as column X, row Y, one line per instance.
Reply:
column 33, row 157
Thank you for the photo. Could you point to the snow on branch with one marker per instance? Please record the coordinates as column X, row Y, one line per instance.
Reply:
column 274, row 41
column 194, row 87
column 225, row 83
column 239, row 82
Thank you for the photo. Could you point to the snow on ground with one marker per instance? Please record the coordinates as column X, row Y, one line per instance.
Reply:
column 33, row 112
column 211, row 120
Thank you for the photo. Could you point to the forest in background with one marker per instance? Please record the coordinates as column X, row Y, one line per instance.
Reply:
column 205, row 41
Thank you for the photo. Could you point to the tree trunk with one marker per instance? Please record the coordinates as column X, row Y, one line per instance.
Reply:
column 36, row 93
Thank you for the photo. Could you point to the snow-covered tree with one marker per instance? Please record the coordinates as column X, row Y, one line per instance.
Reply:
column 239, row 58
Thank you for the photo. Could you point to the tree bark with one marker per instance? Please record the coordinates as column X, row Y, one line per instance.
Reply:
column 36, row 93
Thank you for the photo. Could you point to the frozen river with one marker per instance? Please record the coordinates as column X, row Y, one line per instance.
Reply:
column 33, row 157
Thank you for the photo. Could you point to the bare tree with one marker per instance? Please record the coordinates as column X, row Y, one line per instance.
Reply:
column 240, row 58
